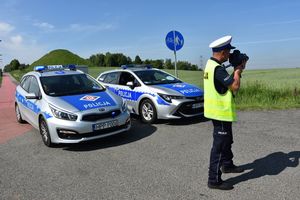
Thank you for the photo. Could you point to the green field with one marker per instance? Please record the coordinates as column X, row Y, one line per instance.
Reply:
column 260, row 89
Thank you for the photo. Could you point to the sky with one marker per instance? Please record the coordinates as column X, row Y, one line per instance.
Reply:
column 268, row 31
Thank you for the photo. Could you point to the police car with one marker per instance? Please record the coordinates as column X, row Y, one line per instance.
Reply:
column 152, row 93
column 69, row 106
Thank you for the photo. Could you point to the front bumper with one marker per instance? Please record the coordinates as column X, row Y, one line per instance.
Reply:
column 83, row 130
column 181, row 108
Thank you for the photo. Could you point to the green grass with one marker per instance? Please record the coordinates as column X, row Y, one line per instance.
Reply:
column 260, row 89
column 257, row 96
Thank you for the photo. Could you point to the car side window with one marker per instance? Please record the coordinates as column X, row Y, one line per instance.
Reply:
column 102, row 77
column 25, row 83
column 126, row 77
column 34, row 86
column 111, row 78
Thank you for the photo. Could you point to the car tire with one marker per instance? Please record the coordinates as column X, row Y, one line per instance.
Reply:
column 148, row 111
column 19, row 115
column 44, row 131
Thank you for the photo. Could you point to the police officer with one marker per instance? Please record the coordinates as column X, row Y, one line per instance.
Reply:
column 219, row 106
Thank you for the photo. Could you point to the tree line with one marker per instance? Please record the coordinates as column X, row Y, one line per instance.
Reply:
column 15, row 65
column 116, row 60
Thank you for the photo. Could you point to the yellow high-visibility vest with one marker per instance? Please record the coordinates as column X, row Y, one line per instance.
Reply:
column 217, row 106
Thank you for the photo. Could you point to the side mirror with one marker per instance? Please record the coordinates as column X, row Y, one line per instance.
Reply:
column 130, row 84
column 33, row 96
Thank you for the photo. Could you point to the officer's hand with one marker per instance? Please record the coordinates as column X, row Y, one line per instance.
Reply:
column 241, row 67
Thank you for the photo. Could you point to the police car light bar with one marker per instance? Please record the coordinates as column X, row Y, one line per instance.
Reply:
column 43, row 68
column 136, row 66
column 39, row 68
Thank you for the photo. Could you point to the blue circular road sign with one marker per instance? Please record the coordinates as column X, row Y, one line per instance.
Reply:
column 174, row 40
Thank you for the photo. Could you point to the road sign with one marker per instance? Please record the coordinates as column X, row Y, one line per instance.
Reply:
column 174, row 40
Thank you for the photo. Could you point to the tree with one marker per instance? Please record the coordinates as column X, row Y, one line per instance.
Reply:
column 7, row 68
column 14, row 64
column 108, row 59
column 168, row 64
column 138, row 60
column 158, row 64
column 129, row 61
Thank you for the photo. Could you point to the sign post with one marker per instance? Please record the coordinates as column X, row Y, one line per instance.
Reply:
column 174, row 41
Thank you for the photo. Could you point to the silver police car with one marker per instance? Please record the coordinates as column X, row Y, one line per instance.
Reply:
column 152, row 93
column 69, row 106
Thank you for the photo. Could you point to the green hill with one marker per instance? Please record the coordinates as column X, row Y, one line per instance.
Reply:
column 60, row 57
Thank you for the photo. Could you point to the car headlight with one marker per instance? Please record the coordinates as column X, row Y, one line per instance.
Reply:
column 124, row 106
column 169, row 98
column 63, row 114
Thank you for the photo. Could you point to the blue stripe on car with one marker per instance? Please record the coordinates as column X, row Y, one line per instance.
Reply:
column 28, row 104
column 135, row 95
column 186, row 89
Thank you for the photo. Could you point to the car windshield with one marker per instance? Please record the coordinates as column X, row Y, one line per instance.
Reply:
column 156, row 77
column 70, row 85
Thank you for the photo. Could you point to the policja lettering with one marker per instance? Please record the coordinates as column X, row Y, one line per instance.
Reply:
column 97, row 104
column 124, row 94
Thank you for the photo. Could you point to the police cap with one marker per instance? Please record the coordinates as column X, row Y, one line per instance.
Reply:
column 221, row 44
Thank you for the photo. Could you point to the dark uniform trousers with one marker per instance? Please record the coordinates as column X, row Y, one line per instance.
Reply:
column 221, row 154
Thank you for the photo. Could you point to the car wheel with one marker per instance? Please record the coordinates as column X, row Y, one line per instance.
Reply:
column 18, row 115
column 148, row 111
column 44, row 131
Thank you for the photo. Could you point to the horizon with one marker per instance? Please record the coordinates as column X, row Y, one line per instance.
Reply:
column 267, row 31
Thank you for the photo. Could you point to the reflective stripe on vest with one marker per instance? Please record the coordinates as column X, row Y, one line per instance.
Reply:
column 217, row 106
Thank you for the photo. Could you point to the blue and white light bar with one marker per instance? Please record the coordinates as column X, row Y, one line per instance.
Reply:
column 136, row 66
column 42, row 68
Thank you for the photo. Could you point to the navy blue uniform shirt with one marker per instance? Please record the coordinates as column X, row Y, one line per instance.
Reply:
column 222, row 79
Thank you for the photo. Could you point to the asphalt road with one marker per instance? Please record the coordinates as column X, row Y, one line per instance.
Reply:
column 160, row 161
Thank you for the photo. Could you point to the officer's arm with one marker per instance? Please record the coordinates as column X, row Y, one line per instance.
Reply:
column 235, row 86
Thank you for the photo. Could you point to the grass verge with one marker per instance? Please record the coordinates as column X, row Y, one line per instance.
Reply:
column 258, row 96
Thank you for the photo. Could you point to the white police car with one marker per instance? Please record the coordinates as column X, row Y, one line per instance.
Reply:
column 69, row 106
column 153, row 93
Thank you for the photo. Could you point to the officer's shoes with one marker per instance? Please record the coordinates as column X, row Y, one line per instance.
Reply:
column 220, row 186
column 233, row 169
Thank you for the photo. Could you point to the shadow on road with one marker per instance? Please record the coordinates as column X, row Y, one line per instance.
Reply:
column 137, row 132
column 183, row 121
column 177, row 122
column 271, row 165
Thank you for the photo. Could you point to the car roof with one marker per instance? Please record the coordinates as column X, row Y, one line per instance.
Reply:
column 133, row 69
column 53, row 72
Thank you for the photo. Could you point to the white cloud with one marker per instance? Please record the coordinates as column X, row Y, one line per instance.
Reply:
column 44, row 25
column 270, row 41
column 16, row 40
column 280, row 22
column 23, row 49
column 87, row 27
column 5, row 28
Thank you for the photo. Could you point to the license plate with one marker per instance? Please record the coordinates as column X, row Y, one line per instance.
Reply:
column 105, row 125
column 197, row 105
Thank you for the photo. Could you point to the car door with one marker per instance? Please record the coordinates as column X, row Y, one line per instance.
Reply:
column 128, row 93
column 21, row 93
column 34, row 105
